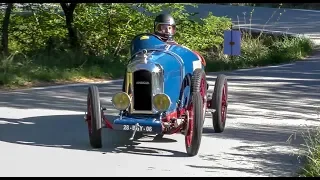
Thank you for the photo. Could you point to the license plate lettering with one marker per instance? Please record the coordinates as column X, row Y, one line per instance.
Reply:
column 133, row 127
column 149, row 128
column 139, row 128
column 126, row 127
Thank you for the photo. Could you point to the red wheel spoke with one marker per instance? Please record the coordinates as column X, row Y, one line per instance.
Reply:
column 190, row 126
column 223, row 104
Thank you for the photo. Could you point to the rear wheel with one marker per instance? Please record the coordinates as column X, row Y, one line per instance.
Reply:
column 94, row 118
column 220, row 102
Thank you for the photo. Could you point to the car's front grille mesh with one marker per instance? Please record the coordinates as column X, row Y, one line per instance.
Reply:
column 142, row 90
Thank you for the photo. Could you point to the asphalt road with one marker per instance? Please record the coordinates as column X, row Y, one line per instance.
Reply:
column 295, row 21
column 43, row 133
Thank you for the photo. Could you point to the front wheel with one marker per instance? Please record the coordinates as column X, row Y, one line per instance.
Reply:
column 220, row 102
column 193, row 132
column 199, row 84
column 94, row 118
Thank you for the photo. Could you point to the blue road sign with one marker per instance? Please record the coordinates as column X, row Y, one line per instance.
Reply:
column 232, row 42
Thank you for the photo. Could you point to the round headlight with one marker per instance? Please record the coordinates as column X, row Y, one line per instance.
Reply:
column 161, row 102
column 121, row 101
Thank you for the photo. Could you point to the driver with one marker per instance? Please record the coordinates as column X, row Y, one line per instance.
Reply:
column 165, row 27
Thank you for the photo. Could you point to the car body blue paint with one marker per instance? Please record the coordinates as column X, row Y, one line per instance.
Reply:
column 171, row 66
column 172, row 69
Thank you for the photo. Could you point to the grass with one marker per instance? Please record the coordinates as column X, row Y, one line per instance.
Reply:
column 65, row 66
column 311, row 152
column 262, row 51
column 19, row 70
column 311, row 167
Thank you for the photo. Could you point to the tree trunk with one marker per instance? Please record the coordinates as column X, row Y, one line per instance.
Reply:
column 68, row 9
column 5, row 30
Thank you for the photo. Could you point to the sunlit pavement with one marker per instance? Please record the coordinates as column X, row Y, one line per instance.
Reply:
column 43, row 133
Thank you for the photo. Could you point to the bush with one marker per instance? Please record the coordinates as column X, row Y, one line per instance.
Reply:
column 105, row 32
column 40, row 50
column 203, row 35
column 261, row 51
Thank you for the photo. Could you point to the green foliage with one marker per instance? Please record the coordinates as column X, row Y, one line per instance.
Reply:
column 311, row 154
column 260, row 52
column 107, row 29
column 38, row 41
column 205, row 34
column 31, row 32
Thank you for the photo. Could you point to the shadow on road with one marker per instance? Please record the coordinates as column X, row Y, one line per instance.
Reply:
column 269, row 150
column 282, row 94
column 70, row 132
column 258, row 161
column 251, row 133
column 65, row 98
column 287, row 92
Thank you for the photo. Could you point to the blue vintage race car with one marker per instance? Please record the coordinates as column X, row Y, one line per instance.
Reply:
column 164, row 92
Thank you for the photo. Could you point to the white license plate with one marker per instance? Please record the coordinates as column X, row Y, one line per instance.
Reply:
column 139, row 128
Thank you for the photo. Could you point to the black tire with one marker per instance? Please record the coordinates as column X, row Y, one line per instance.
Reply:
column 93, row 102
column 217, row 120
column 196, row 80
column 193, row 149
column 199, row 74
